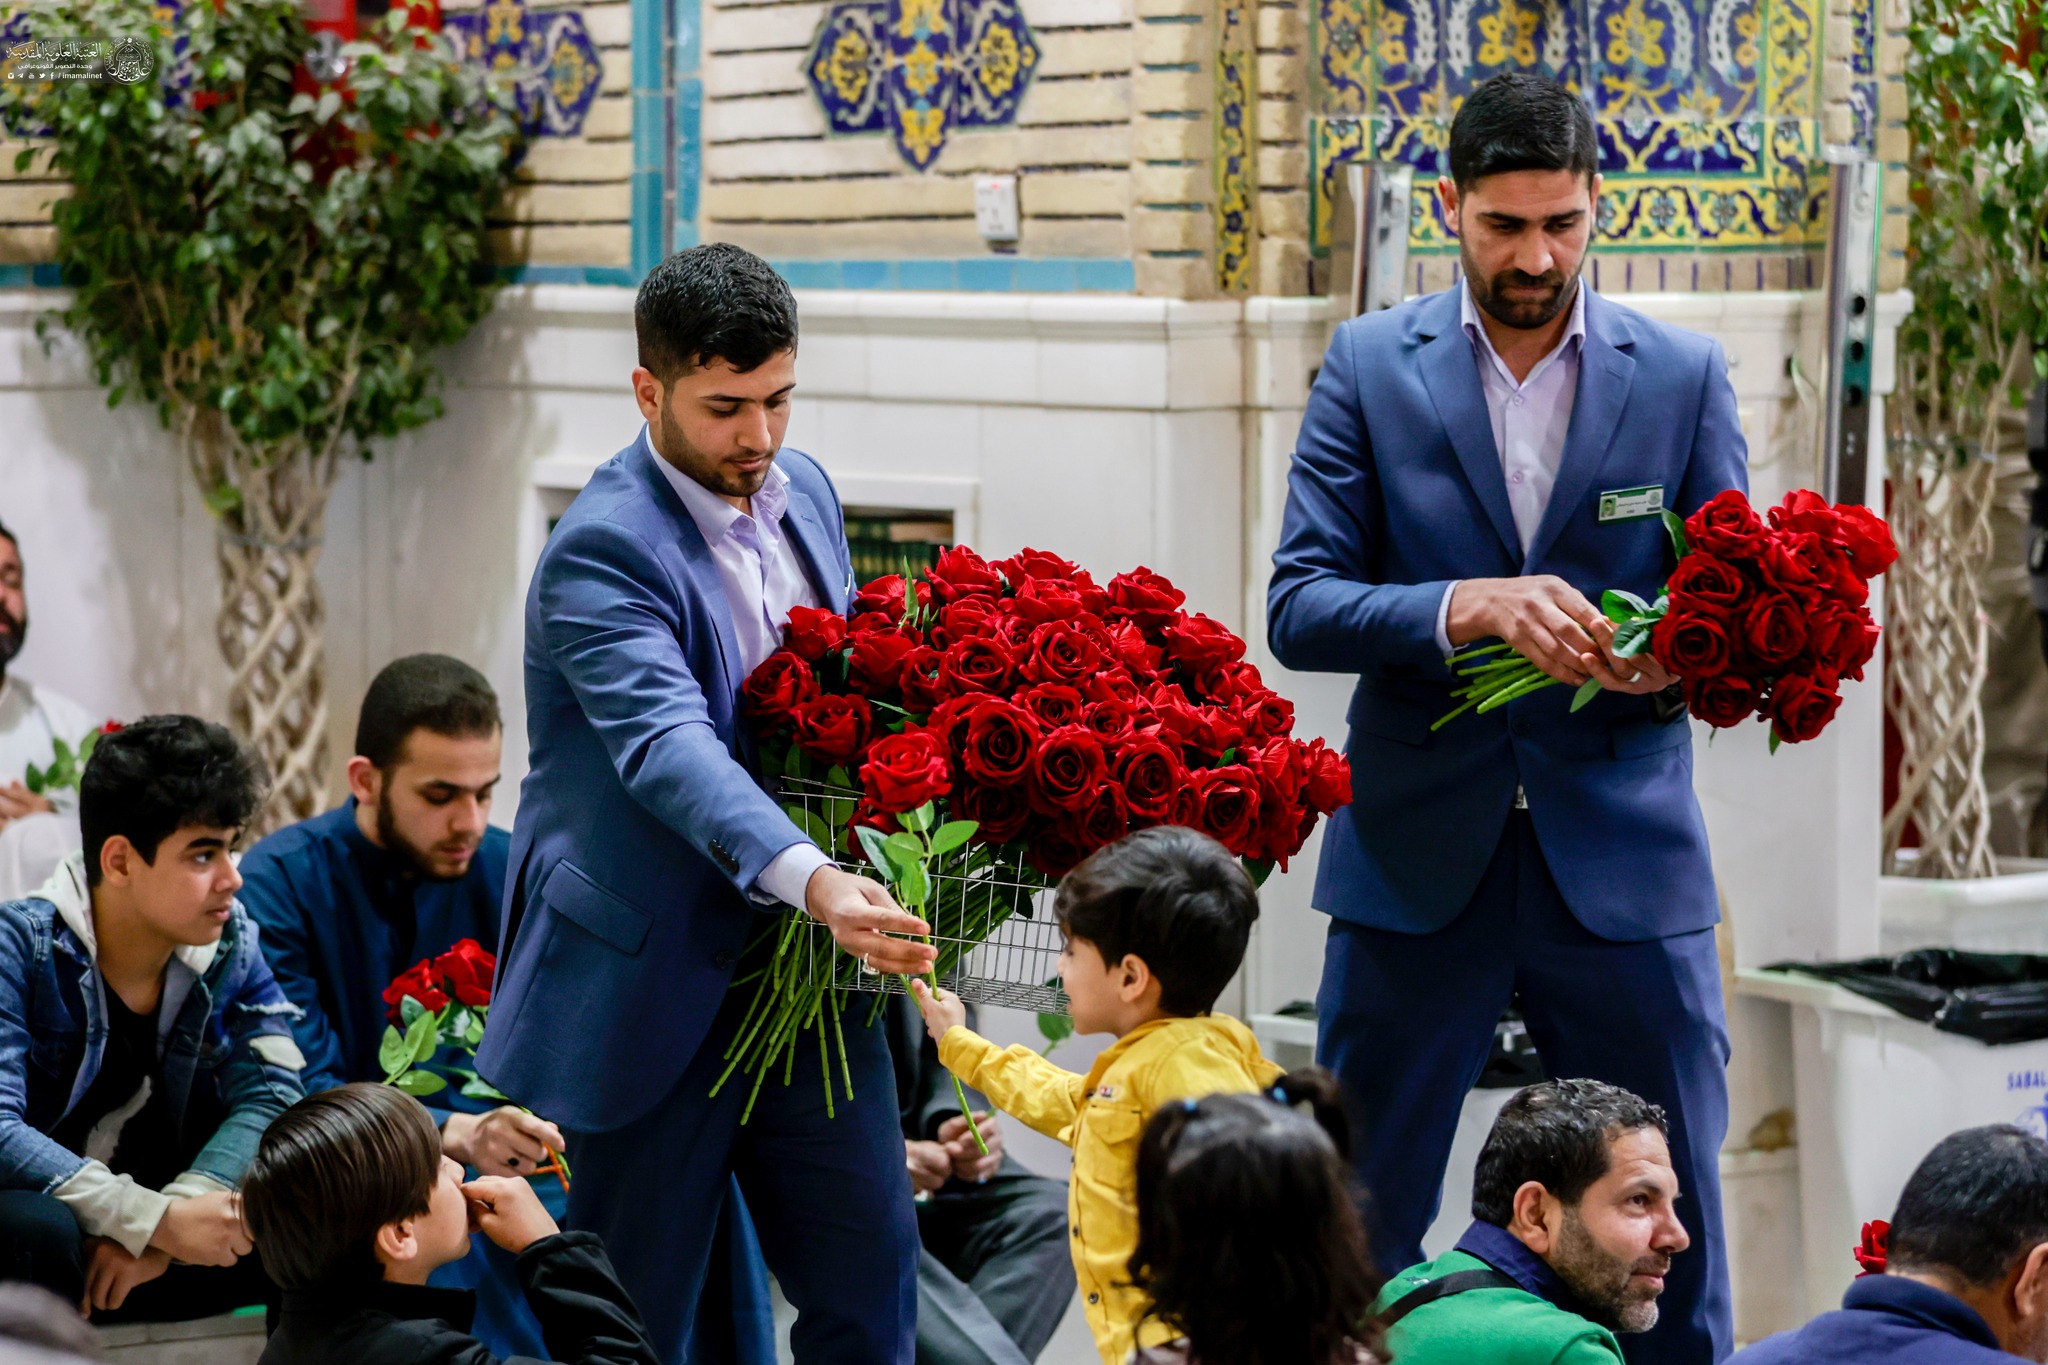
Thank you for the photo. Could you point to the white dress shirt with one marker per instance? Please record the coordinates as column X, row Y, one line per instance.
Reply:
column 1530, row 421
column 763, row 576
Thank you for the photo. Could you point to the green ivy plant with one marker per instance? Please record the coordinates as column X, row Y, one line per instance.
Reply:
column 272, row 268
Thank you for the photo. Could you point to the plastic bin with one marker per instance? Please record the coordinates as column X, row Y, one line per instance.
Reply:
column 2003, row 914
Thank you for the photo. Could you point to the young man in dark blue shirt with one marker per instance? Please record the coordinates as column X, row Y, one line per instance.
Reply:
column 1965, row 1280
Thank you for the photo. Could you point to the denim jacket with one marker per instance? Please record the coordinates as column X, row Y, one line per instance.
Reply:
column 224, row 1024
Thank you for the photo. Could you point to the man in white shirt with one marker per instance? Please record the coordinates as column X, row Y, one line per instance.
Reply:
column 32, row 718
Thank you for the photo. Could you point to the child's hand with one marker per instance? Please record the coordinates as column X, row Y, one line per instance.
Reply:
column 506, row 1210
column 942, row 1011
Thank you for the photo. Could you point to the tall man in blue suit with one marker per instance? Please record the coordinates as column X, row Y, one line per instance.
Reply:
column 646, row 854
column 1452, row 483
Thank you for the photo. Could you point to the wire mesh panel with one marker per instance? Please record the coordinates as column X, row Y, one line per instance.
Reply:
column 991, row 915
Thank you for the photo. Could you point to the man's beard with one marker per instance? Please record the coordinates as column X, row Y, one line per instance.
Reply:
column 13, row 635
column 1602, row 1282
column 675, row 447
column 419, row 864
column 1523, row 314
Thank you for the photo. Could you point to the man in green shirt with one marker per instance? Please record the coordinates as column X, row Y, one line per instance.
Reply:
column 1574, row 1227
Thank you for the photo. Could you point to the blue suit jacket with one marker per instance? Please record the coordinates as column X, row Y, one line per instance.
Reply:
column 640, row 829
column 1395, row 490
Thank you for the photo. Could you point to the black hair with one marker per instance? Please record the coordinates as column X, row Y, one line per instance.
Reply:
column 148, row 780
column 1174, row 898
column 329, row 1172
column 1558, row 1134
column 8, row 535
column 423, row 692
column 712, row 302
column 1974, row 1205
column 1522, row 122
column 1250, row 1242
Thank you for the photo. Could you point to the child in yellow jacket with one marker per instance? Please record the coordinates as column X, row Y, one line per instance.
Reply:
column 1155, row 925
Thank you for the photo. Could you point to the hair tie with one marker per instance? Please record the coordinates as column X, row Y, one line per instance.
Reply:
column 1188, row 1106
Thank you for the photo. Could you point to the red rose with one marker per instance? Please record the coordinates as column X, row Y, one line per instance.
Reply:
column 1281, row 769
column 1228, row 682
column 1265, row 714
column 1127, row 643
column 1282, row 829
column 418, row 982
column 1721, row 701
column 872, row 623
column 876, row 662
column 1773, row 630
column 1057, row 846
column 1868, row 540
column 1065, row 770
column 1152, row 776
column 1208, row 730
column 969, row 619
column 1690, row 644
column 865, row 814
column 1328, row 784
column 813, row 633
column 974, row 666
column 467, row 969
column 904, row 771
column 1805, row 510
column 1229, row 804
column 1841, row 640
column 1054, row 704
column 1112, row 721
column 1872, row 1254
column 1060, row 652
column 1703, row 579
column 1112, row 685
column 1106, row 818
column 112, row 727
column 918, row 680
column 1199, row 643
column 1727, row 526
column 773, row 691
column 1001, row 811
column 962, row 573
column 1145, row 597
column 1048, row 599
column 999, row 741
column 1801, row 707
column 884, row 595
column 1028, row 564
column 834, row 728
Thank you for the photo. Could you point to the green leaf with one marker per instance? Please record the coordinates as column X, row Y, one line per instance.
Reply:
column 474, row 1034
column 836, row 776
column 921, row 818
column 392, row 1053
column 1619, row 606
column 477, row 1088
column 1775, row 741
column 1674, row 525
column 914, row 887
column 951, row 835
column 36, row 780
column 872, row 843
column 793, row 761
column 422, row 1038
column 1055, row 1029
column 409, row 1011
column 1258, row 869
column 1632, row 638
column 904, row 849
column 807, row 820
column 420, row 1083
column 1588, row 690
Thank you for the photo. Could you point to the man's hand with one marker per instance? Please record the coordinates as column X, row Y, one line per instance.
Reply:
column 506, row 1141
column 1639, row 674
column 941, row 1011
column 929, row 1164
column 970, row 1163
column 506, row 1210
column 862, row 918
column 17, row 801
column 1545, row 619
column 206, row 1229
column 111, row 1273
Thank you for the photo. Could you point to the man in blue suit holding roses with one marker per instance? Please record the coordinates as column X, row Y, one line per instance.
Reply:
column 1483, row 463
column 646, row 857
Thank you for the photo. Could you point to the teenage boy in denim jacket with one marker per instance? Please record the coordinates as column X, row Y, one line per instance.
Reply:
column 144, row 1046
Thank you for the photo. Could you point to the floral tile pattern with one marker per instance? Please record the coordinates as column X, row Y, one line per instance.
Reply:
column 1707, row 111
column 1236, row 103
column 556, row 68
column 917, row 69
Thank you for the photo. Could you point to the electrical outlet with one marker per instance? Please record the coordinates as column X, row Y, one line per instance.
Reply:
column 995, row 207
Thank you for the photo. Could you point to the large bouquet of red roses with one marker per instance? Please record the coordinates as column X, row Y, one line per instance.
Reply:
column 1012, row 715
column 1763, row 619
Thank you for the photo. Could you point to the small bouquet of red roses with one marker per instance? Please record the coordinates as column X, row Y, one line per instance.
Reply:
column 443, row 1002
column 1758, row 619
column 67, row 762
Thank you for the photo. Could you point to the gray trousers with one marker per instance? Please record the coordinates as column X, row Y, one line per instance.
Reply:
column 995, row 1275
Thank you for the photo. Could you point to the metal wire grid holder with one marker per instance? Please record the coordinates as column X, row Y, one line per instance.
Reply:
column 991, row 918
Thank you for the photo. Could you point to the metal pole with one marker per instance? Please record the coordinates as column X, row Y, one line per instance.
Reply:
column 1369, row 250
column 1852, row 307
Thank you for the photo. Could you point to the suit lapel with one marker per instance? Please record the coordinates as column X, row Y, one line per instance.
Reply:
column 1605, row 373
column 1451, row 375
column 697, row 555
column 814, row 543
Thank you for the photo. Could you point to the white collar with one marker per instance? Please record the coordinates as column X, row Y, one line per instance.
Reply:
column 1574, row 331
column 66, row 889
column 715, row 517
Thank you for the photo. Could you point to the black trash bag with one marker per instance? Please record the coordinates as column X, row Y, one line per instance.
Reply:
column 1992, row 997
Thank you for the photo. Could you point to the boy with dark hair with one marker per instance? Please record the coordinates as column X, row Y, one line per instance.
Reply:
column 1573, row 1232
column 1965, row 1280
column 143, row 1044
column 353, row 1205
column 1156, row 925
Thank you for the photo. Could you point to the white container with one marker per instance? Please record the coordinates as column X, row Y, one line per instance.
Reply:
column 2003, row 914
column 1874, row 1092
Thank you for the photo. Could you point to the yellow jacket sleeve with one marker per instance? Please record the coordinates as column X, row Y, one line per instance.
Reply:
column 1189, row 1073
column 1017, row 1081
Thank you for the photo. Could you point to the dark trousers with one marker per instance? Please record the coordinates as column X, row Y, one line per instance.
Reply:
column 996, row 1275
column 41, row 1243
column 829, row 1199
column 1406, row 1022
